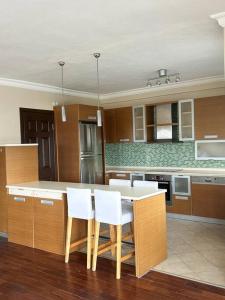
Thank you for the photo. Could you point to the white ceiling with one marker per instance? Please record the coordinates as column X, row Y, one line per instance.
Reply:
column 135, row 37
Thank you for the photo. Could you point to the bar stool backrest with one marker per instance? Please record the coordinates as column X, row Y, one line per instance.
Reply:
column 79, row 203
column 108, row 207
column 121, row 182
column 143, row 183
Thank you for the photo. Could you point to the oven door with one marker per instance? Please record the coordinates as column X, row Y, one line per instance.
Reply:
column 166, row 185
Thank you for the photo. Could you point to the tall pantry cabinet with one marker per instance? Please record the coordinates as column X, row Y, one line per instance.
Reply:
column 18, row 163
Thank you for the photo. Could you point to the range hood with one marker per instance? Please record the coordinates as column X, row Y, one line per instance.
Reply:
column 166, row 122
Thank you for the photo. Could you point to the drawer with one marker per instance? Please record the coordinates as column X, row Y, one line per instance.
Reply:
column 120, row 176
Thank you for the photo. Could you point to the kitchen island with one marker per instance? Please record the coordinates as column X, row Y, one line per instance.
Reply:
column 38, row 216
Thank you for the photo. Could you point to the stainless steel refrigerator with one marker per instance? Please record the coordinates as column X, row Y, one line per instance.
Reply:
column 91, row 158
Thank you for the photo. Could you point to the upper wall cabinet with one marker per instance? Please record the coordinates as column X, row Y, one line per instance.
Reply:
column 209, row 118
column 139, row 126
column 118, row 125
column 186, row 120
column 110, row 125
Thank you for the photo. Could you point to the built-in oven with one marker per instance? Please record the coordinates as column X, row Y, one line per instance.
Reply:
column 137, row 176
column 164, row 182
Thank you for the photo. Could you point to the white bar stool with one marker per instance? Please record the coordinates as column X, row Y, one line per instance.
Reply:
column 143, row 183
column 119, row 182
column 110, row 210
column 79, row 207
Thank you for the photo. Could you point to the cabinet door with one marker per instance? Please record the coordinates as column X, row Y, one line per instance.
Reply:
column 49, row 225
column 208, row 200
column 20, row 220
column 110, row 125
column 124, row 127
column 180, row 205
column 139, row 126
column 87, row 113
column 3, row 210
column 209, row 118
column 186, row 120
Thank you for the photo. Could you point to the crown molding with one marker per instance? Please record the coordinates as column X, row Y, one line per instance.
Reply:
column 44, row 88
column 220, row 17
column 215, row 80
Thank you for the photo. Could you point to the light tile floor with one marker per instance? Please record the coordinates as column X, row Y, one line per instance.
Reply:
column 196, row 250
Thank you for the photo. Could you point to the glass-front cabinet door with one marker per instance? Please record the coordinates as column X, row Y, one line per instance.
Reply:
column 186, row 120
column 139, row 129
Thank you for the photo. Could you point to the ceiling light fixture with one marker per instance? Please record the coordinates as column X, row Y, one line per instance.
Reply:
column 163, row 78
column 99, row 113
column 63, row 110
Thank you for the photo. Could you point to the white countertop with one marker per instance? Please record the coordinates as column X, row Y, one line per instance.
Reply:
column 17, row 145
column 131, row 193
column 215, row 172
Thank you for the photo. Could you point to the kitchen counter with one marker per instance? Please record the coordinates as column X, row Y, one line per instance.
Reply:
column 168, row 171
column 37, row 220
column 36, row 189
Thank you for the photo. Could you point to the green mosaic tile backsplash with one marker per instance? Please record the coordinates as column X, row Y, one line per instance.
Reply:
column 157, row 155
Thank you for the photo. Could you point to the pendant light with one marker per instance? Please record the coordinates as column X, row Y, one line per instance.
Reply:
column 99, row 113
column 63, row 111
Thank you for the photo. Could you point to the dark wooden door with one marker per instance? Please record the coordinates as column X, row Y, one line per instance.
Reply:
column 37, row 126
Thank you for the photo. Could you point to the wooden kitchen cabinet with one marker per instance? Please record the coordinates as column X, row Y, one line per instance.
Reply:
column 118, row 125
column 119, row 175
column 208, row 200
column 124, row 125
column 209, row 118
column 17, row 164
column 110, row 125
column 87, row 113
column 20, row 220
column 49, row 225
column 180, row 205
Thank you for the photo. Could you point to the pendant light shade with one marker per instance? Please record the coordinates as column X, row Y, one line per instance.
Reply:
column 63, row 110
column 99, row 112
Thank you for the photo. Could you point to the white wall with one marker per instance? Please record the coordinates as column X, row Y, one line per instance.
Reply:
column 12, row 98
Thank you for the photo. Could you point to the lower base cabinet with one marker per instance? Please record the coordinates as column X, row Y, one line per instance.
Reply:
column 20, row 220
column 180, row 205
column 208, row 200
column 49, row 225
column 41, row 223
column 3, row 210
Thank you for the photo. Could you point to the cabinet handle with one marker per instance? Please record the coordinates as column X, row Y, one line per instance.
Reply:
column 213, row 136
column 19, row 199
column 121, row 175
column 92, row 117
column 47, row 202
column 181, row 198
column 124, row 140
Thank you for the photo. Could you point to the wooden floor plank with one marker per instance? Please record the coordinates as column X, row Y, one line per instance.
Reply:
column 31, row 274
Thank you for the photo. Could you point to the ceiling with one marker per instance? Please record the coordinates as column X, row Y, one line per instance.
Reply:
column 135, row 38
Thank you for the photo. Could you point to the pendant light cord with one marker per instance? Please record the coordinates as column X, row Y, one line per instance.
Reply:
column 98, row 84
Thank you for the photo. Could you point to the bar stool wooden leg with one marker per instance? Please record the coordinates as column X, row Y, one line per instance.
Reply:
column 89, row 243
column 95, row 254
column 118, row 251
column 68, row 237
column 112, row 233
column 132, row 230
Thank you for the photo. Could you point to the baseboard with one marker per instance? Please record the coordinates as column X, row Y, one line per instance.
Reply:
column 195, row 218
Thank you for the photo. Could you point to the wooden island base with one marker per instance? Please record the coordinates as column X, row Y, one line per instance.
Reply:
column 40, row 222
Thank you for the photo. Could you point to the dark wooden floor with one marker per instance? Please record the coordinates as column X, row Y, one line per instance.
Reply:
column 31, row 274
